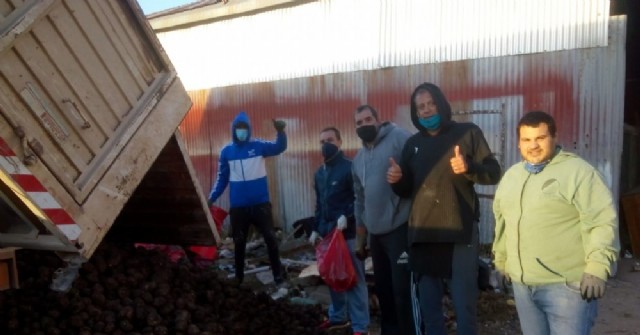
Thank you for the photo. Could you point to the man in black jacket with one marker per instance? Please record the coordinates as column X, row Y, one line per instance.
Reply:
column 438, row 168
column 333, row 184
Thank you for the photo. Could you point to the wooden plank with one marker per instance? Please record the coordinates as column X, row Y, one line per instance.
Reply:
column 5, row 9
column 126, row 173
column 85, row 94
column 134, row 38
column 23, row 203
column 21, row 20
column 126, row 75
column 8, row 261
column 167, row 209
column 13, row 78
column 154, row 51
column 18, row 3
column 631, row 210
column 95, row 65
column 50, row 87
column 121, row 136
column 137, row 126
column 196, row 183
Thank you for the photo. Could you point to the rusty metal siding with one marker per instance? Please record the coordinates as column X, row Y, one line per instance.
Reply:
column 335, row 36
column 303, row 104
column 582, row 88
column 492, row 123
column 601, row 131
column 564, row 66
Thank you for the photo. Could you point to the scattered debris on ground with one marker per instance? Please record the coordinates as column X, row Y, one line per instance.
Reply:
column 164, row 290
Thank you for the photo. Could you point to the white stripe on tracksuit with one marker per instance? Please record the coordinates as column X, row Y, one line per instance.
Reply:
column 247, row 169
column 415, row 304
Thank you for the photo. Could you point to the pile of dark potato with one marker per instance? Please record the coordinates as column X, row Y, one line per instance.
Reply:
column 127, row 290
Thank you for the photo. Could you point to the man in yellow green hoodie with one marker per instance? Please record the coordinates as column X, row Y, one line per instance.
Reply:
column 556, row 234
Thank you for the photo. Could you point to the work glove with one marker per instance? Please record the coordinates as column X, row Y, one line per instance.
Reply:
column 361, row 246
column 342, row 223
column 314, row 238
column 505, row 279
column 591, row 287
column 279, row 125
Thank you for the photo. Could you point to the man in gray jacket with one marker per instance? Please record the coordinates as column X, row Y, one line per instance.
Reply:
column 381, row 213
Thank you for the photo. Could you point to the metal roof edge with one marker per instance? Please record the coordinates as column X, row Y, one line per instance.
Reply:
column 193, row 14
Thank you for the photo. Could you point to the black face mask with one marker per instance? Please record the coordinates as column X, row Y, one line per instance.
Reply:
column 329, row 150
column 367, row 133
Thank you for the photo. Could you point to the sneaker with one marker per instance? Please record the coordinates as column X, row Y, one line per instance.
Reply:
column 282, row 284
column 282, row 277
column 328, row 325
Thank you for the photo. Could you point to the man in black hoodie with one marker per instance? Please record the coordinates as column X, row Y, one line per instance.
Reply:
column 438, row 168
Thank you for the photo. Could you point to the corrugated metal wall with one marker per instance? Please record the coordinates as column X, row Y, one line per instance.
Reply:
column 335, row 36
column 582, row 88
column 332, row 56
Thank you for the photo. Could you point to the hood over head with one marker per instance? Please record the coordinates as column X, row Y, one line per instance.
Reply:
column 444, row 109
column 242, row 117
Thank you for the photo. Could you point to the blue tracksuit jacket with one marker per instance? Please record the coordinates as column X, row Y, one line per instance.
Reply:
column 241, row 165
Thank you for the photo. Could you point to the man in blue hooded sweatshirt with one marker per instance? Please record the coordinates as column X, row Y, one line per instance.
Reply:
column 241, row 165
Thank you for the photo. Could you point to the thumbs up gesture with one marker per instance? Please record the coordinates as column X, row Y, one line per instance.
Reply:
column 458, row 162
column 394, row 173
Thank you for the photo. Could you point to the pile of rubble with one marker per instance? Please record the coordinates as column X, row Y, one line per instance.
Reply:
column 127, row 290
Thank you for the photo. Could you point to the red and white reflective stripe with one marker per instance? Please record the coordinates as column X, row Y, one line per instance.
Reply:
column 37, row 192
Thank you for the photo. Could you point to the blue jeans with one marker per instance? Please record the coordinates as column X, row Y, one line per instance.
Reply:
column 556, row 309
column 355, row 301
column 464, row 292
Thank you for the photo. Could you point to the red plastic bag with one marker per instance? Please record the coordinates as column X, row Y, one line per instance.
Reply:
column 218, row 214
column 334, row 262
column 210, row 253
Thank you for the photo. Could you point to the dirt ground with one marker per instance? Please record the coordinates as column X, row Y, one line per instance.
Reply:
column 619, row 310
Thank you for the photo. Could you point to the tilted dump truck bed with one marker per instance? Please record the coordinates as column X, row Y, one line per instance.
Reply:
column 89, row 110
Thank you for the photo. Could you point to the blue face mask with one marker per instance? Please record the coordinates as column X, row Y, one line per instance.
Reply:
column 242, row 134
column 430, row 123
column 535, row 168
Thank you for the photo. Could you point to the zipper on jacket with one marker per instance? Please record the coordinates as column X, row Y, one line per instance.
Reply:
column 242, row 169
column 520, row 220
column 369, row 152
column 325, row 188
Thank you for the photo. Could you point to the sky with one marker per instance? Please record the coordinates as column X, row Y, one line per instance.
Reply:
column 152, row 6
